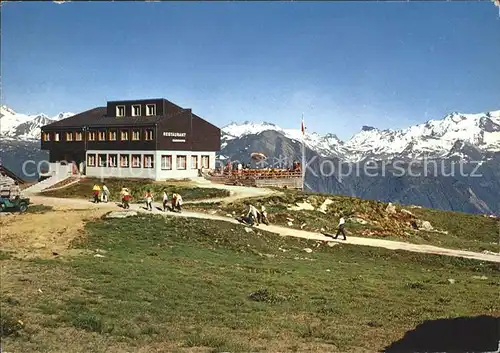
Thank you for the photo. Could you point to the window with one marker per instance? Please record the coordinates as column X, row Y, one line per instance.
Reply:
column 112, row 160
column 148, row 134
column 69, row 136
column 181, row 162
column 56, row 136
column 102, row 160
column 124, row 160
column 102, row 135
column 136, row 135
column 166, row 162
column 148, row 161
column 91, row 160
column 78, row 136
column 124, row 135
column 46, row 136
column 150, row 109
column 205, row 162
column 194, row 162
column 91, row 136
column 112, row 135
column 120, row 111
column 136, row 110
column 136, row 161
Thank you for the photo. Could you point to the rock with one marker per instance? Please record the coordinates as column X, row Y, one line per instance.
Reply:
column 248, row 230
column 289, row 219
column 332, row 244
column 479, row 277
column 121, row 214
column 213, row 212
column 101, row 251
column 302, row 206
column 290, row 224
column 425, row 225
column 302, row 226
column 308, row 250
column 98, row 255
column 390, row 209
column 39, row 246
column 229, row 215
column 407, row 212
column 327, row 270
column 5, row 213
column 358, row 220
column 324, row 206
column 451, row 280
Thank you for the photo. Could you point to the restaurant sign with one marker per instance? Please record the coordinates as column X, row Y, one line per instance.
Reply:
column 182, row 136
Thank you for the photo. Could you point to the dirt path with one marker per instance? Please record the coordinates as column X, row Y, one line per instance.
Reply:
column 283, row 231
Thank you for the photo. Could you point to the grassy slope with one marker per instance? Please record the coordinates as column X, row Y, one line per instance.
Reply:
column 175, row 284
column 138, row 188
column 466, row 232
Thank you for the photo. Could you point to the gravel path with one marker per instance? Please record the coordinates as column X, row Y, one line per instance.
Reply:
column 60, row 203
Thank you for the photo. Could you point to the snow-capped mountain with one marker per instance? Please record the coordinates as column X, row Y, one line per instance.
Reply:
column 14, row 125
column 453, row 135
column 326, row 145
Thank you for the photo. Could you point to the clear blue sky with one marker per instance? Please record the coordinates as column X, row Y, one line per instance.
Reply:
column 343, row 65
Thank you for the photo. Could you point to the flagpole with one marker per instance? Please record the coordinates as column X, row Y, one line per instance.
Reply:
column 303, row 164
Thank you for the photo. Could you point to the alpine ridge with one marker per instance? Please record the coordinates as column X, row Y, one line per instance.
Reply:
column 433, row 139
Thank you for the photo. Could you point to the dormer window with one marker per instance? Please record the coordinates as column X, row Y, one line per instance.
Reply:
column 120, row 111
column 150, row 109
column 136, row 110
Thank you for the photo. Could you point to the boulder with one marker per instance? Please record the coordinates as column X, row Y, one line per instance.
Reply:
column 324, row 206
column 248, row 230
column 390, row 209
column 425, row 225
column 302, row 206
column 407, row 212
column 358, row 220
column 308, row 250
column 121, row 214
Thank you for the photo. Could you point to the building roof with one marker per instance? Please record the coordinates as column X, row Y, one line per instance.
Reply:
column 97, row 117
column 7, row 172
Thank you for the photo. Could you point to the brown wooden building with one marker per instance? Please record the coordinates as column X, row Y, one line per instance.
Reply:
column 151, row 138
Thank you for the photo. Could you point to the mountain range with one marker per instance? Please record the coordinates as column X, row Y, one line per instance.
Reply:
column 470, row 142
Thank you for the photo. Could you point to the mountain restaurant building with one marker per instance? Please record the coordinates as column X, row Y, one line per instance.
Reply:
column 151, row 138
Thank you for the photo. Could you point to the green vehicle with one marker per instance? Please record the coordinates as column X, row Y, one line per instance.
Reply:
column 18, row 204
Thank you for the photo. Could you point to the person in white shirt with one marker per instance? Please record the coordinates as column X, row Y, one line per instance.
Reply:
column 253, row 214
column 105, row 193
column 341, row 228
column 262, row 216
column 178, row 203
column 165, row 201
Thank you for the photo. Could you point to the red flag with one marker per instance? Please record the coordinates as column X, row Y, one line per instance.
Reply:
column 303, row 128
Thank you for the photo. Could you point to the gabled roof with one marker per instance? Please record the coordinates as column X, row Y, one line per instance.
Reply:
column 97, row 117
column 10, row 174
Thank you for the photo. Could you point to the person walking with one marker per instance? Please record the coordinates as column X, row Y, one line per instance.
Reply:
column 105, row 193
column 253, row 213
column 165, row 201
column 178, row 203
column 149, row 200
column 96, row 190
column 174, row 199
column 262, row 216
column 125, row 198
column 341, row 228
